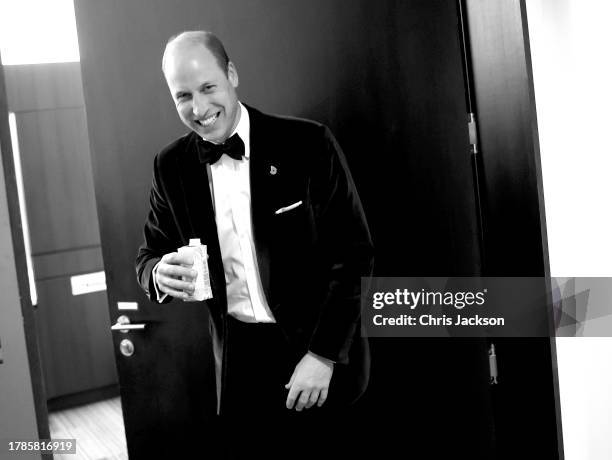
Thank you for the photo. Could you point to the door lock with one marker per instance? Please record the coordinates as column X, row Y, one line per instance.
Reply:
column 126, row 347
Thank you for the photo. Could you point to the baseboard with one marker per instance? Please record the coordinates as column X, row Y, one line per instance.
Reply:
column 84, row 397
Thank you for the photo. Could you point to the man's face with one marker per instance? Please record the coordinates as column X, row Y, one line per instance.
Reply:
column 204, row 95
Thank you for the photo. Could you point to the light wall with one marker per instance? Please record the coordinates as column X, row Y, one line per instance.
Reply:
column 17, row 416
column 570, row 47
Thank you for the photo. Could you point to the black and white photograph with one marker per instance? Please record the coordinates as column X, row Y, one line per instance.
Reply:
column 323, row 229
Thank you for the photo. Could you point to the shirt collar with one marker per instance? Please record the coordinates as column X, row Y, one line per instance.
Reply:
column 243, row 129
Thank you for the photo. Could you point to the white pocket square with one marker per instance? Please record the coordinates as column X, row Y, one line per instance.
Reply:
column 288, row 208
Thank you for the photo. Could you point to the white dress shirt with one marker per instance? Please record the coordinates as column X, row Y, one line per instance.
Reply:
column 231, row 191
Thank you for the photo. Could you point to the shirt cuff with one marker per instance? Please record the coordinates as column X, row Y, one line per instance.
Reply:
column 160, row 298
column 322, row 358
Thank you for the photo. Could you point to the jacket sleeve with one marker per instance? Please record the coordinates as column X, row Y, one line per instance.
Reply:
column 347, row 249
column 160, row 236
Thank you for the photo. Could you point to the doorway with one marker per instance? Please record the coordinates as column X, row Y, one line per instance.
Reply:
column 50, row 144
column 393, row 78
column 387, row 78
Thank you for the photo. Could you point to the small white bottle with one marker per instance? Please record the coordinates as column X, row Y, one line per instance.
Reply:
column 202, row 290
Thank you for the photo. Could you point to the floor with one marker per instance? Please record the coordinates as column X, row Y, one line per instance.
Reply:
column 98, row 429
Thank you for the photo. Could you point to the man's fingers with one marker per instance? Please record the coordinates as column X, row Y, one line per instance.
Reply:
column 291, row 397
column 304, row 397
column 176, row 271
column 178, row 266
column 314, row 396
column 174, row 258
column 173, row 293
column 177, row 285
column 322, row 397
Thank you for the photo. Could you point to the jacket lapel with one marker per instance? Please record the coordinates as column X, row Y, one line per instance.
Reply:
column 262, row 155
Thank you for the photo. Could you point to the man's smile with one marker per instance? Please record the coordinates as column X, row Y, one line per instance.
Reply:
column 206, row 122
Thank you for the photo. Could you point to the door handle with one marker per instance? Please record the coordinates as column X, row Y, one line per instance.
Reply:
column 123, row 324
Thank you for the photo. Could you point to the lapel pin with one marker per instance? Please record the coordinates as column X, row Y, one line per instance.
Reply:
column 273, row 170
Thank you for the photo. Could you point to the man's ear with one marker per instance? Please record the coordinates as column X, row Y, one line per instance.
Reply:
column 232, row 74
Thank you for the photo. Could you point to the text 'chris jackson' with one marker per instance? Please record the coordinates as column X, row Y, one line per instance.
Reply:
column 401, row 299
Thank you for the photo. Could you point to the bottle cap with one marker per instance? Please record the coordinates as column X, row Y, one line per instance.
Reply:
column 194, row 242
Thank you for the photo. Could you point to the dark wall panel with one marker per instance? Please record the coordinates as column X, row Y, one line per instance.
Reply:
column 57, row 175
column 66, row 263
column 76, row 347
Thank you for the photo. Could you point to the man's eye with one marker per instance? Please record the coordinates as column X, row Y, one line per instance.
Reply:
column 209, row 88
column 182, row 96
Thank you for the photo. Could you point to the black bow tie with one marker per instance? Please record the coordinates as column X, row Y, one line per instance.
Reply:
column 210, row 153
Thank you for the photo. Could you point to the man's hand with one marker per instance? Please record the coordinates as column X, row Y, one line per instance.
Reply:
column 311, row 378
column 173, row 277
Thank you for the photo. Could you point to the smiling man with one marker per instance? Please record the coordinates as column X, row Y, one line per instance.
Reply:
column 202, row 82
column 288, row 243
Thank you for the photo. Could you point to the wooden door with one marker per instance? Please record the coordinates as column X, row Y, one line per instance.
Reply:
column 526, row 401
column 387, row 77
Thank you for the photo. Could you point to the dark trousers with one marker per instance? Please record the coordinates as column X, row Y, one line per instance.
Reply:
column 256, row 422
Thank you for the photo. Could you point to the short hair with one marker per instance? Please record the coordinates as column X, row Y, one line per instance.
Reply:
column 199, row 37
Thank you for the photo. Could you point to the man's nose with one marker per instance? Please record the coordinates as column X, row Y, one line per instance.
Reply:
column 199, row 105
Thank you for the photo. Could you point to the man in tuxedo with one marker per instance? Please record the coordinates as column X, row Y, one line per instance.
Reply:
column 273, row 200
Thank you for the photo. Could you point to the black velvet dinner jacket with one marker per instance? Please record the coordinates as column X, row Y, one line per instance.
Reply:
column 310, row 258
